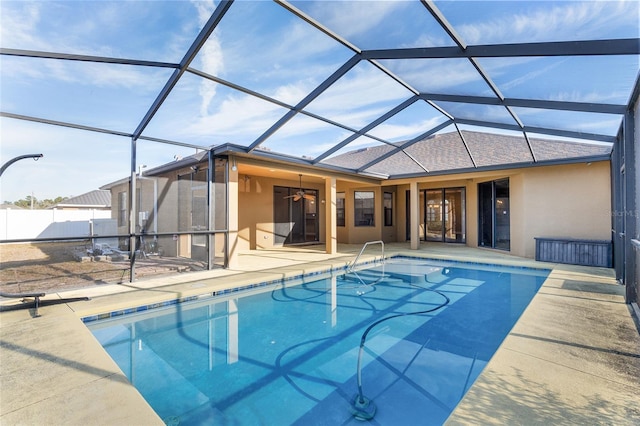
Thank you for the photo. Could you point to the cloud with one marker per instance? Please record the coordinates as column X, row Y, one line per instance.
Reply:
column 305, row 136
column 589, row 97
column 434, row 75
column 397, row 132
column 552, row 22
column 340, row 17
column 211, row 58
column 263, row 47
column 239, row 118
column 535, row 73
column 360, row 96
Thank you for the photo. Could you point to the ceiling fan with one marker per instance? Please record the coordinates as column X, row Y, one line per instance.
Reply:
column 301, row 194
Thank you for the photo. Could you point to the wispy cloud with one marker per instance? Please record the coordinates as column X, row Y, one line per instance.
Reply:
column 589, row 96
column 397, row 132
column 211, row 56
column 568, row 120
column 544, row 21
column 435, row 75
column 370, row 14
column 360, row 96
column 531, row 75
column 237, row 118
column 19, row 21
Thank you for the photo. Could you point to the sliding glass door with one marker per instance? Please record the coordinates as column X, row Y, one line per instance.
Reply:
column 444, row 218
column 295, row 219
column 494, row 221
column 442, row 213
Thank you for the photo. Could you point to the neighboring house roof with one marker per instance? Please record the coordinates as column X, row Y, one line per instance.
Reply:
column 178, row 163
column 447, row 152
column 4, row 206
column 93, row 199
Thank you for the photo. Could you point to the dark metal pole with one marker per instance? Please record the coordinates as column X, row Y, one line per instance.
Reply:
column 36, row 157
column 132, row 213
column 211, row 207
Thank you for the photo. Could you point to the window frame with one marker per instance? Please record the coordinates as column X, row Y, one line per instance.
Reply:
column 387, row 210
column 360, row 212
column 341, row 210
column 122, row 208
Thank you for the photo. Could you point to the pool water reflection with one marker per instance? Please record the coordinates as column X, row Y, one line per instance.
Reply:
column 287, row 353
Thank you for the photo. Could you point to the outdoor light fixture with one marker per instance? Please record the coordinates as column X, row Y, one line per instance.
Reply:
column 234, row 166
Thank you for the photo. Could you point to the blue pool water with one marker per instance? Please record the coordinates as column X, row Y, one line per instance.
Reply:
column 288, row 353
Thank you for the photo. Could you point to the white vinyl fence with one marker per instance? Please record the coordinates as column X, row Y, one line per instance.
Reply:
column 27, row 224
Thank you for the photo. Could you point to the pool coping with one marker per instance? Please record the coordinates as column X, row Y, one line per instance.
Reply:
column 87, row 319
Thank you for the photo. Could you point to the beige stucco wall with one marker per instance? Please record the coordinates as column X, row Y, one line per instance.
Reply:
column 255, row 213
column 570, row 201
column 351, row 234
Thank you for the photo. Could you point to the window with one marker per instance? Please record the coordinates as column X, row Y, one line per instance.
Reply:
column 122, row 208
column 364, row 207
column 340, row 211
column 388, row 208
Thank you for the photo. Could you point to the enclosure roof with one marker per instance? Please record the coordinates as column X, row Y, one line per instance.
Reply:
column 423, row 82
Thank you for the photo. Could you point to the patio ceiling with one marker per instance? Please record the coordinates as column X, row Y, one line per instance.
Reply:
column 310, row 81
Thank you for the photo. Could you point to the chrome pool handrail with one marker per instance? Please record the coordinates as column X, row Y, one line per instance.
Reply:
column 353, row 264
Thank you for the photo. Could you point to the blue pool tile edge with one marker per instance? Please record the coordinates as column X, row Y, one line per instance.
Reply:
column 143, row 308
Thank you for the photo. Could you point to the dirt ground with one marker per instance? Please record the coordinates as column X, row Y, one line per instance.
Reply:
column 50, row 267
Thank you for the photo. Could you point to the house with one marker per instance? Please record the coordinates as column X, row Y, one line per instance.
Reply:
column 455, row 188
column 97, row 199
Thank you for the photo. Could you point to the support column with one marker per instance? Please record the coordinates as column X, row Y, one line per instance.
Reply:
column 630, row 209
column 331, row 230
column 232, row 216
column 132, row 213
column 414, row 214
column 211, row 196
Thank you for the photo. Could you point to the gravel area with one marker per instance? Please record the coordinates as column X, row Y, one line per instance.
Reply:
column 50, row 267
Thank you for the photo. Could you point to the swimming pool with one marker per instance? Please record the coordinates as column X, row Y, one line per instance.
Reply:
column 411, row 336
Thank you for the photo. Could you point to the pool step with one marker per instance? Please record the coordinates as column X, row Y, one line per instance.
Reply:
column 408, row 277
column 369, row 277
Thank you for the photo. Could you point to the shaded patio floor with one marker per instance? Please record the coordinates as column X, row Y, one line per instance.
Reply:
column 574, row 356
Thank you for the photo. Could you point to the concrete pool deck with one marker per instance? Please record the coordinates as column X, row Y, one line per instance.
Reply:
column 573, row 357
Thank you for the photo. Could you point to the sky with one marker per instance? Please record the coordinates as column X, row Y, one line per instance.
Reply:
column 263, row 47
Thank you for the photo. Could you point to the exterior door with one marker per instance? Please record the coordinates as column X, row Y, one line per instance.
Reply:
column 494, row 221
column 193, row 215
column 442, row 213
column 295, row 222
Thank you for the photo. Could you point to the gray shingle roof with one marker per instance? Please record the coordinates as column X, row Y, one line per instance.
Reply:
column 95, row 198
column 446, row 151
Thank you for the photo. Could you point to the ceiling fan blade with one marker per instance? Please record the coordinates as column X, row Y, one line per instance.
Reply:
column 290, row 196
column 297, row 197
column 309, row 197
